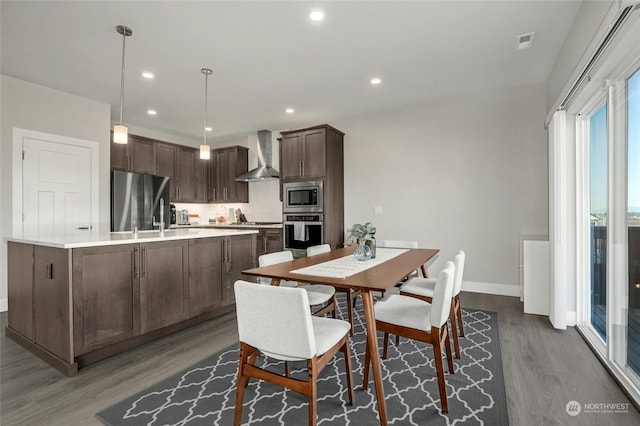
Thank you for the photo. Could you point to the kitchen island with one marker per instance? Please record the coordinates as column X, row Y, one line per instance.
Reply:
column 79, row 298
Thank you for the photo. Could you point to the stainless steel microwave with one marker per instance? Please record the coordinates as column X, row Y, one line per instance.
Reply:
column 303, row 197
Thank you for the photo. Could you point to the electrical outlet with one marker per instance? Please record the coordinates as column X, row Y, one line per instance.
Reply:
column 378, row 210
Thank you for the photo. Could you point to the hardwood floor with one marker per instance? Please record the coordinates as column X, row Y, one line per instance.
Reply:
column 544, row 369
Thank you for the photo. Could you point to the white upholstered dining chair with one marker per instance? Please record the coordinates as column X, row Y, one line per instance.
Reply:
column 321, row 296
column 423, row 288
column 416, row 319
column 290, row 334
column 351, row 293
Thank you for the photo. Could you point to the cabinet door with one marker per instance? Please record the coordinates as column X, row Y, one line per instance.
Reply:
column 239, row 254
column 186, row 174
column 205, row 275
column 119, row 157
column 238, row 192
column 166, row 165
column 163, row 284
column 314, row 163
column 142, row 153
column 20, row 287
column 273, row 240
column 291, row 155
column 224, row 168
column 214, row 178
column 51, row 301
column 106, row 296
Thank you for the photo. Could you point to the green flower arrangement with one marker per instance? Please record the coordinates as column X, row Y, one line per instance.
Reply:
column 364, row 232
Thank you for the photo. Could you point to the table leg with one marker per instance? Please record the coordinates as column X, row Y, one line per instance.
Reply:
column 372, row 342
column 425, row 273
column 275, row 281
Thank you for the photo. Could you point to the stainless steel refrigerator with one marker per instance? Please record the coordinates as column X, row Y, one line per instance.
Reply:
column 136, row 199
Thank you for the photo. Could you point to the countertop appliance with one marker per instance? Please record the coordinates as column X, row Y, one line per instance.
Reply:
column 173, row 213
column 302, row 197
column 182, row 217
column 135, row 201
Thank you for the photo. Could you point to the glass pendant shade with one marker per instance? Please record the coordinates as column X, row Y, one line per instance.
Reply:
column 120, row 134
column 205, row 152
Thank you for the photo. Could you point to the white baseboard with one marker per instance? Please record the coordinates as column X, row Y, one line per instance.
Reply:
column 4, row 305
column 572, row 318
column 491, row 288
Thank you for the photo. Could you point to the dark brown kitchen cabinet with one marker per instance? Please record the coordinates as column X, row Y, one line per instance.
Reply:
column 72, row 307
column 269, row 241
column 226, row 165
column 191, row 176
column 163, row 284
column 106, row 295
column 138, row 155
column 235, row 260
column 205, row 275
column 166, row 165
column 306, row 153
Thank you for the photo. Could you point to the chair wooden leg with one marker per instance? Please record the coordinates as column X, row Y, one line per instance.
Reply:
column 458, row 309
column 241, row 384
column 335, row 304
column 350, row 301
column 447, row 346
column 385, row 345
column 397, row 340
column 313, row 393
column 454, row 331
column 437, row 357
column 347, row 364
column 365, row 368
column 287, row 369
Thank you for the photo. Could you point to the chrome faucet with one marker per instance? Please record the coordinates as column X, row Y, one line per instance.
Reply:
column 160, row 224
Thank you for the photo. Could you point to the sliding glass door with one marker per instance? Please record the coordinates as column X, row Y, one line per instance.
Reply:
column 633, row 221
column 598, row 219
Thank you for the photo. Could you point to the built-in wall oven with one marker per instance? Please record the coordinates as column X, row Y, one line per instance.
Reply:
column 302, row 231
column 302, row 197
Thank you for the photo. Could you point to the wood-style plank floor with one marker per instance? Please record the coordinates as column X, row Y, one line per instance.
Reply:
column 544, row 369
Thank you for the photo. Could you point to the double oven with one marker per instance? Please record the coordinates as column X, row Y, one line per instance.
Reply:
column 303, row 218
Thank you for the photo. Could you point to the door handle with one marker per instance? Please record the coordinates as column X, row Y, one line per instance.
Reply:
column 84, row 227
column 134, row 255
column 143, row 262
column 300, row 168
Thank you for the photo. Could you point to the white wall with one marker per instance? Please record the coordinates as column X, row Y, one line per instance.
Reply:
column 468, row 173
column 38, row 108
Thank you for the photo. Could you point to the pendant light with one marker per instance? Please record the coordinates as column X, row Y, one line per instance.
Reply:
column 205, row 149
column 120, row 131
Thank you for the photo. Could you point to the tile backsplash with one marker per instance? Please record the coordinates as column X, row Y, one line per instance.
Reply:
column 264, row 205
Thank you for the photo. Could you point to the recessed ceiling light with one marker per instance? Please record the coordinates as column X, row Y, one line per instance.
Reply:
column 316, row 15
column 375, row 81
column 524, row 41
column 152, row 112
column 289, row 110
column 147, row 74
column 208, row 129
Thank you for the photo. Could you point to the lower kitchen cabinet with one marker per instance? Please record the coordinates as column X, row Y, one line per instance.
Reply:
column 235, row 261
column 163, row 284
column 106, row 295
column 205, row 275
column 72, row 307
column 269, row 241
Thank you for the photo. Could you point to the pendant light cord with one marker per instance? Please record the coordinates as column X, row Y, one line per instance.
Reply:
column 206, row 72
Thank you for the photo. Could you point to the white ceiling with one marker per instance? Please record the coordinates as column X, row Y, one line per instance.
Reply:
column 267, row 56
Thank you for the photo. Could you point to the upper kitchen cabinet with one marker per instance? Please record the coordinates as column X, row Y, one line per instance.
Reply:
column 191, row 176
column 226, row 165
column 139, row 155
column 311, row 153
column 166, row 166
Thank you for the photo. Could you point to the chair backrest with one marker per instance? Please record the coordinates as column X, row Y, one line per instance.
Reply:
column 458, row 262
column 319, row 249
column 278, row 332
column 400, row 244
column 272, row 259
column 442, row 293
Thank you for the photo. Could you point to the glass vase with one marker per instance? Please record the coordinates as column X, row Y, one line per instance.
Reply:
column 372, row 246
column 362, row 252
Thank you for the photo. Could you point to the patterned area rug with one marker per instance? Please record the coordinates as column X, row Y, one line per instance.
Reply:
column 205, row 393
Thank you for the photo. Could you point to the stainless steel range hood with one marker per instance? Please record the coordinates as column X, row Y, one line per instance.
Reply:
column 264, row 171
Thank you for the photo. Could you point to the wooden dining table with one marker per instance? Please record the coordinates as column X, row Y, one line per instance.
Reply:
column 380, row 277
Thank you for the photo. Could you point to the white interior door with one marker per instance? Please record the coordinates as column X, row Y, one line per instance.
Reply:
column 56, row 179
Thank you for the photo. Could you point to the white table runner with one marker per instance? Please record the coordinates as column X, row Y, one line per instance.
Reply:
column 346, row 266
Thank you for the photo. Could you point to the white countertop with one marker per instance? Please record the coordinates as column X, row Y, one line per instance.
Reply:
column 94, row 239
column 232, row 226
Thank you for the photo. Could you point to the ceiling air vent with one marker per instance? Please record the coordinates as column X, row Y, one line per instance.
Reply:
column 525, row 41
